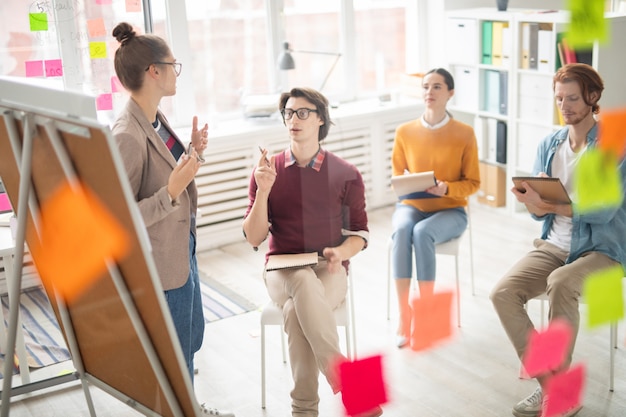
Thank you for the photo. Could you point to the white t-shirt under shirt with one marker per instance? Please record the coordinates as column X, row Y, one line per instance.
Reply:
column 563, row 165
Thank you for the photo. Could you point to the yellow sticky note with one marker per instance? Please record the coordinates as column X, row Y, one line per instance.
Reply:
column 612, row 132
column 602, row 292
column 587, row 22
column 38, row 21
column 97, row 50
column 78, row 234
column 597, row 181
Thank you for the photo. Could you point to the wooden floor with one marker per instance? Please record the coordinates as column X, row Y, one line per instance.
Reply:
column 473, row 374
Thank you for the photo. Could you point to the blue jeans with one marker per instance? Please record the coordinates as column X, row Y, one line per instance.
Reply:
column 421, row 231
column 185, row 305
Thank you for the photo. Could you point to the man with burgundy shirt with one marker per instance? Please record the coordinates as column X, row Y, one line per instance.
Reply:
column 308, row 200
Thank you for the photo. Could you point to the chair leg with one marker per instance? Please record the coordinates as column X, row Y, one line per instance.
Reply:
column 458, row 291
column 262, row 366
column 612, row 347
column 389, row 281
column 351, row 315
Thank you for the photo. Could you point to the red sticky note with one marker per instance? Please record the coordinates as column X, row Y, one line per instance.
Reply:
column 54, row 68
column 547, row 349
column 104, row 102
column 612, row 132
column 77, row 236
column 564, row 391
column 432, row 319
column 34, row 68
column 362, row 385
column 95, row 28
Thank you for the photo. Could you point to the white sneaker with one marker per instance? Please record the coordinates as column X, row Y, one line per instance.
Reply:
column 215, row 412
column 529, row 406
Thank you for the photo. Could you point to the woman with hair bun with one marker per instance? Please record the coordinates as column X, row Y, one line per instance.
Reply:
column 161, row 175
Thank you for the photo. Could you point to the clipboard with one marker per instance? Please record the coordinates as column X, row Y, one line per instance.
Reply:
column 412, row 186
column 550, row 189
column 290, row 260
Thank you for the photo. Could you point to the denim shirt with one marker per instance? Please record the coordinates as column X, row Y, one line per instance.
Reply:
column 602, row 230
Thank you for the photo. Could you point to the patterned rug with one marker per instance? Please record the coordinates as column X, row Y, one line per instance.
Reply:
column 220, row 302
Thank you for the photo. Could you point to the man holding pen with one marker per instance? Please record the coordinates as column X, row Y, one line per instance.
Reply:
column 308, row 200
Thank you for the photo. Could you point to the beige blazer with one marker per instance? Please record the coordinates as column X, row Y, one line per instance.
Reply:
column 149, row 164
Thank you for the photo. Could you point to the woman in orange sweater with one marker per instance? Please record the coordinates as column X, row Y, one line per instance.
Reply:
column 434, row 142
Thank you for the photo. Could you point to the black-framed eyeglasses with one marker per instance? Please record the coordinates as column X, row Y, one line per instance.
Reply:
column 302, row 113
column 178, row 66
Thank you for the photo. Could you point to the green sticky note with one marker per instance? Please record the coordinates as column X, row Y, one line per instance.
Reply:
column 602, row 291
column 587, row 22
column 597, row 182
column 38, row 21
column 97, row 50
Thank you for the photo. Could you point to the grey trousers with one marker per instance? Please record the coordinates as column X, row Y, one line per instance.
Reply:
column 544, row 270
column 308, row 297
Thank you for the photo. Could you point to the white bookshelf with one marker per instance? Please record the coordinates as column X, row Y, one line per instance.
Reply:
column 530, row 110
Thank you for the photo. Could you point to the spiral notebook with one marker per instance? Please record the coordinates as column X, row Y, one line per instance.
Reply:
column 291, row 260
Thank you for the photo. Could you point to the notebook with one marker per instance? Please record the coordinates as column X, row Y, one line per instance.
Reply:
column 411, row 186
column 550, row 189
column 295, row 260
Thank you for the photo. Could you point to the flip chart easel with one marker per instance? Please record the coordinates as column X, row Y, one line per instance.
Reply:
column 119, row 331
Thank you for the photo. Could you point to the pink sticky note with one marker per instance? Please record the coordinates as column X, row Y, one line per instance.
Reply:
column 546, row 350
column 34, row 68
column 5, row 204
column 104, row 1
column 432, row 320
column 133, row 5
column 116, row 85
column 564, row 391
column 104, row 102
column 362, row 385
column 54, row 68
column 96, row 28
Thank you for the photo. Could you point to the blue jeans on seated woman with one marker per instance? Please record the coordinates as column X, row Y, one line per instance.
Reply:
column 421, row 231
column 185, row 305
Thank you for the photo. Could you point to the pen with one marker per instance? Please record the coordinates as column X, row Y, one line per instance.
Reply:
column 266, row 160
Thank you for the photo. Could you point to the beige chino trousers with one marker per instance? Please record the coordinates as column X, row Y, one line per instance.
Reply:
column 308, row 297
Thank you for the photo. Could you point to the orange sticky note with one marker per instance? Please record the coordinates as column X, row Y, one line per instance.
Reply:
column 612, row 132
column 97, row 50
column 77, row 235
column 95, row 28
column 547, row 349
column 564, row 391
column 602, row 291
column 432, row 319
column 362, row 385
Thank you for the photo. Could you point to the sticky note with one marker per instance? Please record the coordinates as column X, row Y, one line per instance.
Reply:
column 104, row 1
column 97, row 50
column 564, row 391
column 432, row 319
column 587, row 22
column 362, row 385
column 597, row 181
column 547, row 349
column 38, row 22
column 612, row 132
column 77, row 235
column 133, row 5
column 104, row 102
column 5, row 204
column 34, row 68
column 95, row 28
column 602, row 291
column 116, row 84
column 54, row 68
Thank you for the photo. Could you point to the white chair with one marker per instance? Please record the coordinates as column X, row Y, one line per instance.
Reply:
column 451, row 247
column 543, row 298
column 272, row 315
